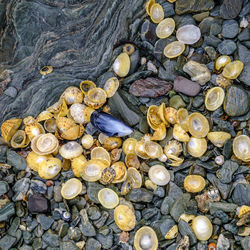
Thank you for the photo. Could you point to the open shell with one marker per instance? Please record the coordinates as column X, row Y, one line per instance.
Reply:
column 165, row 28
column 43, row 116
column 50, row 125
column 72, row 95
column 71, row 188
column 153, row 117
column 140, row 150
column 49, row 168
column 182, row 118
column 198, row 125
column 34, row 129
column 77, row 165
column 202, row 227
column 160, row 133
column 156, row 13
column 101, row 154
column 241, row 147
column 197, row 146
column 71, row 150
column 33, row 160
column 55, row 108
column 218, row 138
column 121, row 65
column 194, row 183
column 124, row 218
column 86, row 85
column 173, row 147
column 19, row 140
column 233, row 69
column 128, row 146
column 149, row 5
column 132, row 160
column 111, row 86
column 221, row 62
column 161, row 113
column 214, row 98
column 170, row 115
column 134, row 177
column 120, row 172
column 63, row 110
column 87, row 141
column 159, row 175
column 153, row 149
column 108, row 198
column 180, row 134
column 174, row 49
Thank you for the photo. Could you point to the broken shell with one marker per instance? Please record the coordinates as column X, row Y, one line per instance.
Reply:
column 101, row 154
column 124, row 218
column 49, row 168
column 128, row 48
column 134, row 178
column 77, row 112
column 108, row 198
column 87, row 141
column 44, row 144
column 87, row 113
column 28, row 120
column 77, row 165
column 223, row 81
column 121, row 65
column 160, row 133
column 33, row 160
column 165, row 28
column 108, row 175
column 55, row 108
column 197, row 146
column 233, row 69
column 111, row 86
column 112, row 142
column 180, row 134
column 150, row 185
column 19, row 140
column 173, row 147
column 161, row 113
column 126, row 188
column 132, row 160
column 182, row 118
column 34, row 129
column 145, row 238
column 156, row 13
column 128, row 146
column 115, row 154
column 45, row 70
column 71, row 188
column 86, row 85
column 45, row 115
column 163, row 158
column 153, row 117
column 194, row 183
column 73, row 133
column 214, row 98
column 175, row 161
column 221, row 62
column 172, row 233
column 149, row 5
column 97, row 95
column 9, row 128
column 174, row 49
column 140, row 150
column 93, row 105
column 241, row 147
column 50, row 125
column 186, row 217
column 159, row 175
column 188, row 34
column 153, row 149
column 218, row 138
column 63, row 110
column 198, row 125
column 170, row 115
column 72, row 95
column 70, row 150
column 202, row 227
column 120, row 172
column 243, row 210
column 102, row 137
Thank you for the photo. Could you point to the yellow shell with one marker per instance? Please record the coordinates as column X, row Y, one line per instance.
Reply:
column 9, row 128
column 86, row 85
column 93, row 105
column 182, row 118
column 33, row 160
column 19, row 140
column 87, row 114
column 159, row 175
column 55, row 108
column 134, row 177
column 124, row 218
column 120, row 172
column 150, row 185
column 174, row 49
column 198, row 125
column 149, row 5
column 101, row 154
column 243, row 210
column 72, row 95
column 77, row 113
column 140, row 150
column 233, row 69
column 108, row 175
column 172, row 233
column 173, row 147
column 180, row 134
column 218, row 138
column 77, row 165
column 50, row 125
column 73, row 133
column 241, row 147
column 128, row 48
column 132, row 160
column 63, row 110
column 175, row 161
column 34, row 129
column 222, row 81
column 161, row 113
column 153, row 149
column 153, row 117
column 45, row 115
column 45, row 70
column 171, row 115
column 214, row 98
column 87, row 141
column 66, row 164
column 97, row 95
column 71, row 150
column 156, row 13
column 165, row 28
column 121, row 65
column 221, row 62
column 128, row 146
column 186, row 217
column 194, row 183
column 145, row 238
column 202, row 227
column 197, row 146
column 111, row 86
column 28, row 120
column 71, row 188
column 108, row 198
column 111, row 143
column 49, row 168
column 160, row 133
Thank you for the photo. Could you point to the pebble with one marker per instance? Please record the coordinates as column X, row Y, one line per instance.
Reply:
column 86, row 227
column 134, row 60
column 45, row 221
column 93, row 244
column 230, row 8
column 4, row 187
column 199, row 17
column 244, row 53
column 227, row 47
column 148, row 32
column 14, row 226
column 94, row 213
column 198, row 101
column 106, row 241
column 7, row 242
column 38, row 186
column 20, row 188
column 51, row 238
column 230, row 29
column 166, row 205
column 140, row 195
column 66, row 245
column 92, row 191
column 225, row 173
column 168, row 72
column 245, row 243
column 185, row 229
column 168, row 9
column 7, row 211
column 224, row 206
column 15, row 160
column 101, row 221
column 11, row 92
column 241, row 194
column 215, row 29
column 222, row 243
column 3, row 151
column 57, row 194
column 244, row 35
column 38, row 204
column 245, row 74
column 185, row 86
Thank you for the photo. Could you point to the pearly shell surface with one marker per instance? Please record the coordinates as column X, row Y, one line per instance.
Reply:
column 188, row 34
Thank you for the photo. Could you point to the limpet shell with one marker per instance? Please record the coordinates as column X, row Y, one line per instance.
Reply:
column 172, row 233
column 149, row 5
column 111, row 143
column 77, row 113
column 73, row 133
column 223, row 81
column 111, row 86
column 186, row 217
column 33, row 160
column 45, row 70
column 156, row 13
column 160, row 133
column 241, row 147
column 108, row 175
column 72, row 95
column 71, row 188
column 243, row 210
column 45, row 115
column 161, row 113
column 121, row 65
column 159, row 175
column 64, row 124
column 86, row 85
column 214, row 98
column 221, row 62
column 108, row 198
column 218, row 138
column 128, row 146
column 19, row 140
column 87, row 141
column 140, row 150
column 126, row 187
column 124, row 218
column 134, row 177
column 128, row 48
column 165, row 28
column 170, row 115
column 174, row 49
column 101, row 154
column 120, row 172
column 188, row 34
column 173, row 147
column 49, row 168
column 182, row 118
column 50, row 125
column 29, row 119
column 198, row 125
column 197, row 146
column 77, row 165
column 233, row 69
column 93, row 105
column 153, row 117
column 102, row 137
column 202, row 227
column 71, row 150
column 54, row 108
column 180, row 134
column 33, row 129
column 153, row 149
column 194, row 183
column 63, row 110
column 97, row 95
column 132, row 160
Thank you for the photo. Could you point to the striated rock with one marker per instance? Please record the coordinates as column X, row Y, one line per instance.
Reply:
column 185, row 86
column 150, row 87
column 7, row 211
column 230, row 8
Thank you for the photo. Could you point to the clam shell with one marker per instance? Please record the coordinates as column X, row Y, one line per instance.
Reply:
column 202, row 227
column 9, row 128
column 188, row 34
column 134, row 177
column 241, row 147
column 128, row 146
column 159, row 175
column 86, row 85
column 218, row 138
column 77, row 165
column 77, row 113
column 197, row 146
column 165, row 28
column 156, row 13
column 34, row 129
column 221, row 62
column 121, row 65
column 71, row 188
column 33, row 160
column 180, row 134
column 174, row 49
column 87, row 141
column 194, row 183
column 214, row 98
column 101, row 154
column 111, row 86
column 72, row 95
column 19, row 140
column 124, row 218
column 108, row 198
column 49, row 168
column 71, row 150
column 198, row 125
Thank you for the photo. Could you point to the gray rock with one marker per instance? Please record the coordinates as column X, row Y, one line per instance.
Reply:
column 148, row 32
column 7, row 242
column 7, row 211
column 215, row 29
column 168, row 72
column 66, row 245
column 244, row 35
column 45, row 221
column 14, row 226
column 51, row 239
column 38, row 204
column 244, row 53
column 168, row 9
column 166, row 205
column 241, row 194
column 20, row 188
column 57, row 193
column 15, row 160
column 183, row 20
column 4, row 187
column 198, row 101
column 38, row 186
column 86, row 227
column 224, row 206
column 92, row 191
column 3, row 152
column 245, row 242
column 230, row 29
column 227, row 47
column 106, row 241
column 185, row 229
column 94, row 213
column 37, row 243
column 174, row 191
column 212, row 41
column 230, row 8
column 225, row 173
column 245, row 74
column 223, row 243
column 11, row 92
column 101, row 221
column 93, row 244
column 103, row 78
column 139, row 195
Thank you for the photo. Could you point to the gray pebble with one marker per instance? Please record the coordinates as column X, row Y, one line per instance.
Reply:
column 15, row 160
column 230, row 29
column 45, row 221
column 11, row 92
column 227, row 47
column 4, row 187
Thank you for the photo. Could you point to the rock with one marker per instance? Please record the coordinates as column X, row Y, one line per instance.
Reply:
column 150, row 87
column 244, row 53
column 94, row 213
column 230, row 29
column 183, row 20
column 101, row 221
column 134, row 60
column 148, row 213
column 3, row 152
column 199, row 17
column 57, row 194
column 7, row 211
column 222, row 243
column 159, row 47
column 66, row 245
column 230, row 8
column 184, row 6
column 176, row 102
column 245, row 74
column 186, row 87
column 227, row 47
column 174, row 191
column 45, row 221
column 224, row 206
column 38, row 204
column 198, row 101
column 168, row 72
column 74, row 233
column 20, row 188
column 168, row 9
column 92, row 191
column 244, row 35
column 4, row 187
column 211, row 53
column 93, row 244
column 245, row 242
column 241, row 194
column 185, row 229
column 15, row 160
column 7, row 242
column 105, row 240
column 166, row 205
column 51, row 239
column 140, row 195
column 225, row 173
column 236, row 101
column 11, row 92
column 38, row 186
column 215, row 29
column 14, row 226
column 86, row 227
column 205, row 25
column 148, row 32
column 212, row 41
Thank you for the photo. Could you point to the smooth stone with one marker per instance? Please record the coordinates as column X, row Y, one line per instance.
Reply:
column 241, row 194
column 150, row 87
column 133, row 77
column 230, row 8
column 160, row 192
column 174, row 191
column 92, row 191
column 199, row 17
column 38, row 186
column 148, row 32
column 134, row 62
column 14, row 227
column 231, row 227
column 94, row 213
column 185, row 229
column 244, row 53
column 103, row 78
column 7, row 211
column 66, row 245
column 168, row 9
column 225, row 173
column 224, row 218
column 74, row 233
column 139, row 195
column 93, row 244
column 227, row 47
column 143, row 125
column 45, row 221
column 3, row 153
column 38, row 204
column 20, row 188
column 148, row 213
column 198, row 101
column 205, row 25
column 230, row 29
column 4, row 187
column 57, row 194
column 7, row 241
column 168, row 71
column 37, row 244
column 166, row 205
column 176, row 102
column 211, row 52
column 15, row 160
column 11, row 92
column 244, row 35
column 236, row 101
column 183, row 20
column 185, row 86
column 223, row 243
column 224, row 206
column 106, row 241
column 20, row 210
column 211, row 41
column 27, row 237
column 245, row 74
column 86, row 227
column 101, row 221
column 51, row 238
column 245, row 243
column 215, row 29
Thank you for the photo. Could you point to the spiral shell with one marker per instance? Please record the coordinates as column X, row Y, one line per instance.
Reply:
column 9, row 128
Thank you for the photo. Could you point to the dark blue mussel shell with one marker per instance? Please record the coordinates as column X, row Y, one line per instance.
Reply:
column 109, row 125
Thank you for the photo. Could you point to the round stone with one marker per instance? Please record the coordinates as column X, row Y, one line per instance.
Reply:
column 230, row 29
column 227, row 47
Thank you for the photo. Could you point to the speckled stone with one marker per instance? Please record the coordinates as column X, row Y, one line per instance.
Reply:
column 230, row 29
column 230, row 8
column 227, row 47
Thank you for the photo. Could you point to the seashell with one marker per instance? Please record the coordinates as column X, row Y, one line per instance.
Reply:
column 9, row 128
column 198, row 125
column 73, row 133
column 77, row 165
column 218, row 138
column 214, row 98
column 241, row 147
column 153, row 117
column 134, row 177
column 49, row 168
column 202, row 227
column 115, row 154
column 91, row 104
column 149, row 5
column 92, row 170
column 33, row 160
column 145, row 238
column 126, row 187
column 180, row 134
column 128, row 146
column 87, row 114
column 221, row 62
column 173, row 147
column 66, row 164
column 72, row 95
column 182, row 118
column 159, row 175
column 197, row 146
column 55, row 108
column 128, row 48
column 19, row 140
column 43, row 116
column 194, row 183
column 219, row 160
column 77, row 113
column 150, row 185
column 170, row 115
column 28, row 120
column 244, row 231
column 71, row 188
column 175, row 161
column 163, row 158
column 222, row 81
column 102, row 137
column 120, row 172
column 112, row 142
column 34, row 129
column 187, row 217
column 156, row 13
column 160, row 133
column 63, row 110
column 174, row 49
column 188, row 34
column 45, row 70
column 165, row 28
column 44, row 144
column 233, row 69
column 50, row 125
column 86, row 85
column 140, row 150
column 111, row 86
column 124, row 218
column 153, row 149
column 97, row 95
column 70, row 150
column 108, row 198
column 108, row 175
column 132, row 160
column 161, row 113
column 101, row 154
column 121, row 65
column 243, row 210
column 172, row 233
column 87, row 141
column 109, row 125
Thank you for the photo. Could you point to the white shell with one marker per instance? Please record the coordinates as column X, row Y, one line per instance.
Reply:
column 70, row 150
column 188, row 34
column 159, row 175
column 77, row 112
